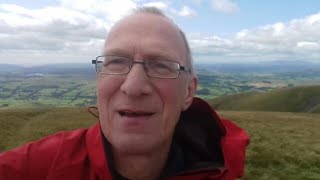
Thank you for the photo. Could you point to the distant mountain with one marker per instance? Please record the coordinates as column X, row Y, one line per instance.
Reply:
column 281, row 67
column 262, row 67
column 10, row 68
column 52, row 69
column 295, row 99
column 63, row 69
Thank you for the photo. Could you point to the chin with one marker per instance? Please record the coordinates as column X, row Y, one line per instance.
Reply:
column 136, row 144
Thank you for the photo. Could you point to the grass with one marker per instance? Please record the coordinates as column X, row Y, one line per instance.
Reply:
column 23, row 125
column 283, row 145
column 295, row 99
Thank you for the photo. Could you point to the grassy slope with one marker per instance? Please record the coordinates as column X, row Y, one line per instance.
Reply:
column 24, row 125
column 296, row 99
column 283, row 145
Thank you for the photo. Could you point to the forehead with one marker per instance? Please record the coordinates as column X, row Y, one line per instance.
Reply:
column 146, row 34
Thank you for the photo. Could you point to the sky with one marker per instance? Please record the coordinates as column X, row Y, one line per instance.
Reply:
column 232, row 31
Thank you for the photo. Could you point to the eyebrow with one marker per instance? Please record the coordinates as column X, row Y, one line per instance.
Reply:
column 158, row 55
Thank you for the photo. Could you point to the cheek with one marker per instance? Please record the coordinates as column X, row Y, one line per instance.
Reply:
column 103, row 92
column 106, row 89
column 172, row 95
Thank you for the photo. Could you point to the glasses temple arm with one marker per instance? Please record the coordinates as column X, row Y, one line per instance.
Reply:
column 185, row 69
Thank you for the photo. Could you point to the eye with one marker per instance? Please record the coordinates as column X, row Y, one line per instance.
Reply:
column 111, row 61
column 115, row 64
column 162, row 67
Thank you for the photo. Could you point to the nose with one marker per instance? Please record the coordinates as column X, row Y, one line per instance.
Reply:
column 137, row 82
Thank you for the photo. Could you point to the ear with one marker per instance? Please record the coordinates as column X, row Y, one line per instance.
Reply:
column 191, row 91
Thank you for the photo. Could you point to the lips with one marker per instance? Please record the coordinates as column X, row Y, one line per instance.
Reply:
column 131, row 113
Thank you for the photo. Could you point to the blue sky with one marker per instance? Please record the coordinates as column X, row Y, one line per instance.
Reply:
column 58, row 31
column 250, row 14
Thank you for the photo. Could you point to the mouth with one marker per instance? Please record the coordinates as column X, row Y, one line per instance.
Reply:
column 129, row 113
column 135, row 120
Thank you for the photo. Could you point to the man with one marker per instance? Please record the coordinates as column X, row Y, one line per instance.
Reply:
column 150, row 125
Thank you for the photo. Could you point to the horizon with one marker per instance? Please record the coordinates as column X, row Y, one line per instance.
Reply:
column 219, row 31
column 305, row 62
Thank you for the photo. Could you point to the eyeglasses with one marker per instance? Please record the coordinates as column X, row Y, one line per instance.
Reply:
column 118, row 65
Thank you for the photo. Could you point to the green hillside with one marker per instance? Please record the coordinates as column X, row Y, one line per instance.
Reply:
column 20, row 125
column 294, row 99
column 283, row 145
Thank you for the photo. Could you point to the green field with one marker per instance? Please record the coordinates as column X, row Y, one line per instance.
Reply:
column 52, row 86
column 283, row 145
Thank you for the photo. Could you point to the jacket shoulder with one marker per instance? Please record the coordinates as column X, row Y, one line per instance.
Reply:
column 33, row 160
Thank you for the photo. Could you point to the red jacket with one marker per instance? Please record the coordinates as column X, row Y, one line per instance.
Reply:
column 80, row 154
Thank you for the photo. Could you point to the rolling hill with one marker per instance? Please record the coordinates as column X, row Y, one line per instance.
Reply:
column 293, row 99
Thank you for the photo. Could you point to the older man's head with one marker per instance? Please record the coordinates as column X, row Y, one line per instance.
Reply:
column 140, row 107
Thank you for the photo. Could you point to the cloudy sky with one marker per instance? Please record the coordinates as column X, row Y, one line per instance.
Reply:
column 58, row 31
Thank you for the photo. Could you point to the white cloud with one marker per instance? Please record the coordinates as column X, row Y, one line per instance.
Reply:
column 76, row 32
column 158, row 4
column 305, row 45
column 298, row 39
column 226, row 6
column 186, row 12
column 64, row 33
column 112, row 10
column 50, row 33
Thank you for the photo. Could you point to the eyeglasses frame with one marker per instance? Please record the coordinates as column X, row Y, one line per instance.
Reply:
column 180, row 67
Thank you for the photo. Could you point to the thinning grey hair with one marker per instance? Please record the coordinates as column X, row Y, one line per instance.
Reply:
column 156, row 11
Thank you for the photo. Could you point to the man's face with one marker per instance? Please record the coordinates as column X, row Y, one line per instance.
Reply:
column 138, row 114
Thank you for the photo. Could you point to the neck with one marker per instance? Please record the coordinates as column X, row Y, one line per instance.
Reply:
column 146, row 166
